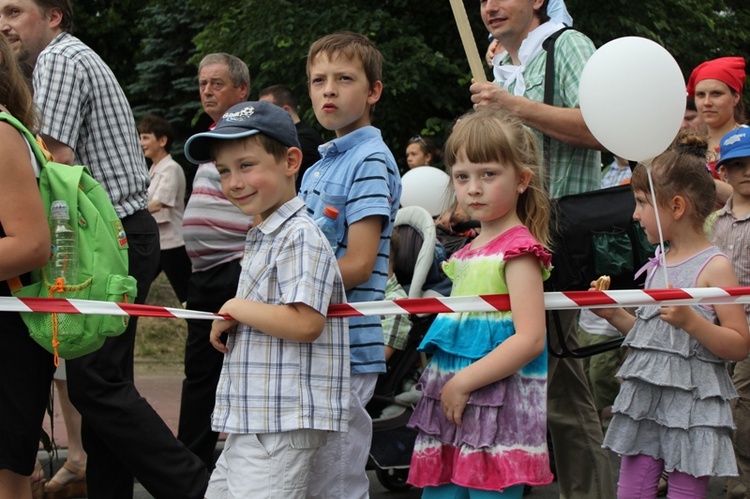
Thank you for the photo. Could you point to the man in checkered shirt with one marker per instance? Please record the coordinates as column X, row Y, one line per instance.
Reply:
column 87, row 120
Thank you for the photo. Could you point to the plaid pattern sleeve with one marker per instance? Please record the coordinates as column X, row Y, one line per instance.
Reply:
column 272, row 385
column 395, row 327
column 572, row 169
column 84, row 107
column 60, row 89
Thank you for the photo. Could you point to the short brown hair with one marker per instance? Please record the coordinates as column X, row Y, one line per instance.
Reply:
column 281, row 95
column 66, row 9
column 159, row 127
column 351, row 45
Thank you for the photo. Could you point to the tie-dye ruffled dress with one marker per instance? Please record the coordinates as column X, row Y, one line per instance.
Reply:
column 502, row 441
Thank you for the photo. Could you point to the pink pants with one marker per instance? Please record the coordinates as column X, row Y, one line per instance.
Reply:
column 639, row 478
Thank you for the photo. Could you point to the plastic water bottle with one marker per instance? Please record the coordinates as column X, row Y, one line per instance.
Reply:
column 64, row 260
column 327, row 224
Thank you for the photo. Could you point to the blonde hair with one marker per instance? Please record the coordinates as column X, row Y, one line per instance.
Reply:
column 487, row 136
column 681, row 170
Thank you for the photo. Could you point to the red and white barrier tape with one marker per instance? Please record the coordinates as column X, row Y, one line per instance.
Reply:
column 567, row 300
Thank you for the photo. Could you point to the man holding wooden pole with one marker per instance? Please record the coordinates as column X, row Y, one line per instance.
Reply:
column 573, row 166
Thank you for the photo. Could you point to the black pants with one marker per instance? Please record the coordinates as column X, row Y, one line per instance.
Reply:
column 176, row 265
column 122, row 434
column 208, row 291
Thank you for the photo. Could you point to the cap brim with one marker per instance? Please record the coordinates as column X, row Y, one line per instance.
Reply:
column 198, row 147
column 740, row 152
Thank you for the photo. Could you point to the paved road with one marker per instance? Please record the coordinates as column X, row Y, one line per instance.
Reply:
column 377, row 491
column 161, row 386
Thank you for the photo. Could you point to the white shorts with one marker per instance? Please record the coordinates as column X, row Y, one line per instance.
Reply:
column 265, row 465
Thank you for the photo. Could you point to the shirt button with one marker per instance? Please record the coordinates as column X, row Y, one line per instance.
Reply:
column 317, row 174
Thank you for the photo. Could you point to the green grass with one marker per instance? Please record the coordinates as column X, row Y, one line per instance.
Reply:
column 161, row 339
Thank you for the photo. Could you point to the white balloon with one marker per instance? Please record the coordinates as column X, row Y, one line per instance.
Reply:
column 426, row 186
column 632, row 97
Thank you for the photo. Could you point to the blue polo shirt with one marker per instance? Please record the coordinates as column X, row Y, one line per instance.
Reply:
column 357, row 174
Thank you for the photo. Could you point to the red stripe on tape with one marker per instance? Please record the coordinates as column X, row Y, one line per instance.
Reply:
column 343, row 310
column 423, row 305
column 588, row 298
column 145, row 310
column 500, row 302
column 50, row 305
column 668, row 294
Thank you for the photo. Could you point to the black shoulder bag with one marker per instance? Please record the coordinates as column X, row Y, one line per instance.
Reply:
column 593, row 234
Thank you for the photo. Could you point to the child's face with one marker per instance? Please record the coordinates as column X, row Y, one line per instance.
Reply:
column 737, row 174
column 415, row 156
column 151, row 145
column 645, row 215
column 340, row 93
column 252, row 179
column 488, row 192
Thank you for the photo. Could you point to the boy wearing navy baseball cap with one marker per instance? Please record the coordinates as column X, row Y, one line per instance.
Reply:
column 284, row 383
column 731, row 234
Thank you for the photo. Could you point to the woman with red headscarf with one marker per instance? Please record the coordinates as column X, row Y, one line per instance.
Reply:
column 717, row 86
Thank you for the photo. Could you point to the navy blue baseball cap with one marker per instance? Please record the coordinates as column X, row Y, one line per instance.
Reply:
column 735, row 144
column 244, row 120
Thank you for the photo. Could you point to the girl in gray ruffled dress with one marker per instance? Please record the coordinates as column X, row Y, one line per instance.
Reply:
column 672, row 413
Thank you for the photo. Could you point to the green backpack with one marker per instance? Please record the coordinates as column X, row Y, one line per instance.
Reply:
column 102, row 260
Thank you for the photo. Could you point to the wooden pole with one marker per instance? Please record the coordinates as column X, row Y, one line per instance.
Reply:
column 467, row 38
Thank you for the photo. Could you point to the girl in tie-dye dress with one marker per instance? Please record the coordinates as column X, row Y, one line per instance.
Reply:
column 482, row 416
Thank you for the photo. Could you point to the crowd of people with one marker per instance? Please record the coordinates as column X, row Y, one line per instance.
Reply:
column 290, row 385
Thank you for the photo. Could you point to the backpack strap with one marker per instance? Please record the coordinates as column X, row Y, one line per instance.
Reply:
column 549, row 92
column 14, row 283
column 32, row 140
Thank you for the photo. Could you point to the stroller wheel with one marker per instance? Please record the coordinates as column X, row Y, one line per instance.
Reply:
column 393, row 479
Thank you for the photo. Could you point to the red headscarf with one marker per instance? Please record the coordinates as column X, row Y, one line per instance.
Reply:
column 730, row 70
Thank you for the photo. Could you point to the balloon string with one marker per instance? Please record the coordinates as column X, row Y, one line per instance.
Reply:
column 662, row 256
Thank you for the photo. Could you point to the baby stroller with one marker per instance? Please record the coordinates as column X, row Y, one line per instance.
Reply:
column 393, row 402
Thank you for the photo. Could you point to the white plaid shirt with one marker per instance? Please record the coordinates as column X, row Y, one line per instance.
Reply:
column 84, row 107
column 270, row 385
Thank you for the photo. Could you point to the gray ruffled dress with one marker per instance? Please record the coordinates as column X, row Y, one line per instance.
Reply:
column 674, row 399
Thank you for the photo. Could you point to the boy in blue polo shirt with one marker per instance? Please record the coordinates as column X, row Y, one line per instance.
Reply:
column 356, row 174
column 284, row 383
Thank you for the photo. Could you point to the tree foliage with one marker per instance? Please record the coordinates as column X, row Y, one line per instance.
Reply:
column 425, row 75
column 111, row 29
column 154, row 47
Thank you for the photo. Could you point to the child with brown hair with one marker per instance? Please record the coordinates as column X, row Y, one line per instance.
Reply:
column 672, row 412
column 284, row 383
column 358, row 175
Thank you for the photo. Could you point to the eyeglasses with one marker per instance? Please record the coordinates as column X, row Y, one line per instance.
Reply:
column 417, row 138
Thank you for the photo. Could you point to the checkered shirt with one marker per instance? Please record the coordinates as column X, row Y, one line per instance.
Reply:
column 731, row 234
column 572, row 169
column 84, row 107
column 270, row 385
